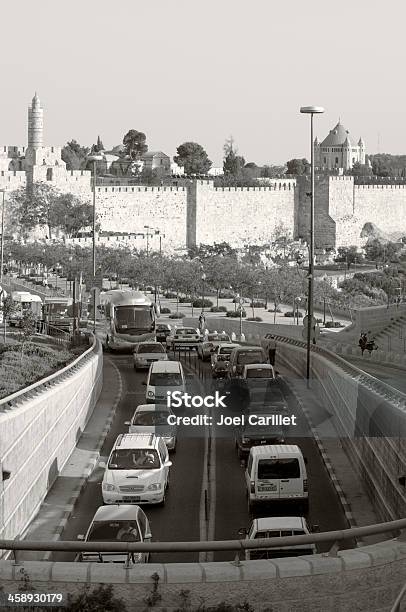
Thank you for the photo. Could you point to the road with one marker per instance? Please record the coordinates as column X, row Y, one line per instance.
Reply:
column 389, row 374
column 183, row 518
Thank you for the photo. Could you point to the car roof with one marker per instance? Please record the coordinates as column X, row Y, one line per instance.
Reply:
column 276, row 449
column 258, row 366
column 250, row 348
column 135, row 441
column 117, row 512
column 166, row 366
column 228, row 345
column 152, row 408
column 280, row 522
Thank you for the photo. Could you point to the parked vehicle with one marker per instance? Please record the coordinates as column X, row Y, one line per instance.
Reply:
column 117, row 523
column 258, row 374
column 276, row 473
column 58, row 312
column 277, row 527
column 220, row 359
column 244, row 355
column 137, row 471
column 164, row 376
column 24, row 302
column 153, row 419
column 146, row 353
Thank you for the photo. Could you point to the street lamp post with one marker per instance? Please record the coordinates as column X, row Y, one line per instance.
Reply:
column 203, row 292
column 310, row 110
column 2, row 239
column 94, row 159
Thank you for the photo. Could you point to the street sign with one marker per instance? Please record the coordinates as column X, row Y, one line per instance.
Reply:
column 314, row 332
column 305, row 320
column 241, row 301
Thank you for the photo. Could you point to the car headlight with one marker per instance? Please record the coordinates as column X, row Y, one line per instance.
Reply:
column 155, row 487
column 151, row 394
column 108, row 487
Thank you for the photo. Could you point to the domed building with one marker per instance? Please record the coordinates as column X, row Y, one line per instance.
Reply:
column 338, row 151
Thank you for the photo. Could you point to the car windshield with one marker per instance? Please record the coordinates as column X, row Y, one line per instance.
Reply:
column 278, row 468
column 156, row 417
column 151, row 348
column 165, row 379
column 186, row 331
column 134, row 459
column 225, row 350
column 162, row 328
column 259, row 373
column 106, row 531
column 136, row 318
column 223, row 338
column 250, row 357
column 212, row 337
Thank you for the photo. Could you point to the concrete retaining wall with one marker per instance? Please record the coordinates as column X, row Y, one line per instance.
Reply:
column 37, row 436
column 371, row 428
column 367, row 579
column 376, row 318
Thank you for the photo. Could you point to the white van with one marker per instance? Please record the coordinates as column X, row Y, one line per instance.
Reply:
column 137, row 471
column 164, row 376
column 276, row 473
column 278, row 527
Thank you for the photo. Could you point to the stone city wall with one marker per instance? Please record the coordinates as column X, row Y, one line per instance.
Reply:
column 37, row 436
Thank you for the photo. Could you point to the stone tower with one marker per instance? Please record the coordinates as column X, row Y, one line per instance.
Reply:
column 35, row 124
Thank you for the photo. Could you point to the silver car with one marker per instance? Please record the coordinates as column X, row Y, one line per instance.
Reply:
column 146, row 353
column 206, row 348
column 153, row 418
column 117, row 523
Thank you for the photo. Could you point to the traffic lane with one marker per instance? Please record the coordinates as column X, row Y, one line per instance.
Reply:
column 325, row 509
column 184, row 492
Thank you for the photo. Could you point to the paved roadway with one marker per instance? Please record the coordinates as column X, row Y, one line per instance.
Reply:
column 183, row 517
column 389, row 374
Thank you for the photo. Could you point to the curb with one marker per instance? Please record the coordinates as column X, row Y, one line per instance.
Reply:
column 329, row 467
column 89, row 468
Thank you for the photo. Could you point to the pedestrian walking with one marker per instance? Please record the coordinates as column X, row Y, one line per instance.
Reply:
column 363, row 342
column 202, row 322
column 272, row 350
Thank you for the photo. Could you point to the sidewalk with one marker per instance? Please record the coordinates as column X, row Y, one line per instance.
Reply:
column 59, row 503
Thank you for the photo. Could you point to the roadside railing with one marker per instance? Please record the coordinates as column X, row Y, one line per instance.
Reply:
column 238, row 546
column 60, row 336
column 10, row 400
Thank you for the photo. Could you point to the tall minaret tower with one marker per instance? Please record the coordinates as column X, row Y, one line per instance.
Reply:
column 35, row 124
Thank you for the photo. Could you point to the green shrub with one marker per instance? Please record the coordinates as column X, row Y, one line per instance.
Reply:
column 185, row 300
column 293, row 313
column 165, row 311
column 257, row 305
column 218, row 309
column 235, row 314
column 274, row 310
column 199, row 303
column 333, row 324
column 101, row 598
column 177, row 315
column 254, row 319
column 170, row 295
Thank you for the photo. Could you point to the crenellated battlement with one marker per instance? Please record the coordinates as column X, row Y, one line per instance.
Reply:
column 139, row 189
column 285, row 186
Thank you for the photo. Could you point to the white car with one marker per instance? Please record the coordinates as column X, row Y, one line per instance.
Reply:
column 146, row 353
column 137, row 471
column 220, row 359
column 164, row 377
column 118, row 523
column 206, row 348
column 276, row 527
column 259, row 373
column 189, row 337
column 153, row 418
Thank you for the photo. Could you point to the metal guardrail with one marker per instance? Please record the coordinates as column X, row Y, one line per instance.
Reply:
column 200, row 546
column 6, row 402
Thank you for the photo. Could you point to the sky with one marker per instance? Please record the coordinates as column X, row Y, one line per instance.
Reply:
column 182, row 70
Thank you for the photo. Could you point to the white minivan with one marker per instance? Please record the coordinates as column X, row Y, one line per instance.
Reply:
column 276, row 473
column 164, row 376
column 137, row 471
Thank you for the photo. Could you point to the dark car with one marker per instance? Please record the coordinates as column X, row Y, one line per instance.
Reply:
column 162, row 330
column 250, row 435
column 245, row 355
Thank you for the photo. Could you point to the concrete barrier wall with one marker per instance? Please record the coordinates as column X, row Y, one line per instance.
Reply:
column 372, row 430
column 37, row 436
column 367, row 579
column 376, row 318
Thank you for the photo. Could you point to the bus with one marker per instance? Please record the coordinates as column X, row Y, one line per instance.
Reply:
column 58, row 311
column 128, row 317
column 24, row 302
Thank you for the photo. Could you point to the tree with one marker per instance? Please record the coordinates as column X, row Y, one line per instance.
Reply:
column 71, row 214
column 349, row 255
column 74, row 155
column 272, row 171
column 382, row 251
column 35, row 206
column 360, row 170
column 99, row 146
column 135, row 144
column 298, row 166
column 193, row 158
column 28, row 326
column 7, row 308
column 233, row 164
